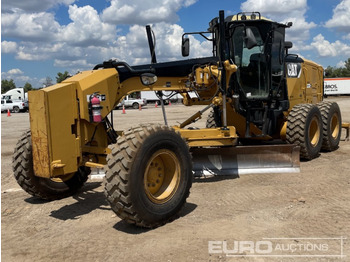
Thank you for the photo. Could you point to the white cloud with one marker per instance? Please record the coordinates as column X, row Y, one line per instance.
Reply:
column 328, row 49
column 341, row 18
column 39, row 51
column 15, row 71
column 300, row 31
column 32, row 5
column 340, row 64
column 30, row 27
column 86, row 28
column 284, row 11
column 17, row 75
column 277, row 7
column 143, row 11
column 8, row 47
column 88, row 39
column 133, row 47
column 82, row 63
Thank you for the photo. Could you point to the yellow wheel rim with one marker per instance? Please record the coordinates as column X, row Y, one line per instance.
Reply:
column 335, row 126
column 162, row 176
column 314, row 131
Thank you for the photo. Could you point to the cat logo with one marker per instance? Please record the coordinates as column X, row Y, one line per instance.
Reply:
column 293, row 70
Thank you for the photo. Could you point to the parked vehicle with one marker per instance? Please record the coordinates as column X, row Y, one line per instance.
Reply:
column 337, row 86
column 167, row 96
column 15, row 94
column 15, row 106
column 132, row 101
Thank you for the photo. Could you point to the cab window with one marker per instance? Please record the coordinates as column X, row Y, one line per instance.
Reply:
column 252, row 65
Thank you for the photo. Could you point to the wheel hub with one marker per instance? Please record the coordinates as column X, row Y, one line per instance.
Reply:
column 334, row 126
column 162, row 176
column 314, row 131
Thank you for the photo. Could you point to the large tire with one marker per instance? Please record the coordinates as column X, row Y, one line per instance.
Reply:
column 44, row 188
column 331, row 118
column 149, row 175
column 304, row 128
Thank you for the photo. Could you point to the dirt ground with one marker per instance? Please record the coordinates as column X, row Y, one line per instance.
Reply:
column 259, row 210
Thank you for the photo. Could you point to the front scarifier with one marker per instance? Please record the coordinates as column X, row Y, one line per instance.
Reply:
column 149, row 175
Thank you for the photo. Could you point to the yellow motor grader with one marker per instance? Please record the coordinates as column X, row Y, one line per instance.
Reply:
column 257, row 94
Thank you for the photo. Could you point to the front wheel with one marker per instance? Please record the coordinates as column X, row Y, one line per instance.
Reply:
column 44, row 188
column 149, row 175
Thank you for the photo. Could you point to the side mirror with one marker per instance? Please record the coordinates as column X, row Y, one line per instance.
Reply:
column 185, row 47
column 288, row 44
column 249, row 38
column 148, row 79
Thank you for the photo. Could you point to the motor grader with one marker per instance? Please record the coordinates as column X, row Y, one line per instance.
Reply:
column 265, row 107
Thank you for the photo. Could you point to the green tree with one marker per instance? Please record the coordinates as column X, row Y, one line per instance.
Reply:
column 7, row 85
column 47, row 82
column 27, row 87
column 338, row 71
column 347, row 68
column 328, row 72
column 61, row 76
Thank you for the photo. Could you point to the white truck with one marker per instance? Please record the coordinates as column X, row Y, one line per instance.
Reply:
column 15, row 94
column 132, row 101
column 152, row 97
column 337, row 86
column 15, row 106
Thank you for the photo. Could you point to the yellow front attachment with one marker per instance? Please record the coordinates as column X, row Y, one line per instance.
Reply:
column 208, row 137
column 53, row 122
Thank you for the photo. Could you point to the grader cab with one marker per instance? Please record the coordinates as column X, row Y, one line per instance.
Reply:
column 256, row 91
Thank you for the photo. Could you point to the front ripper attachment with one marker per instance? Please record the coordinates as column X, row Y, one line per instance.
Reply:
column 242, row 160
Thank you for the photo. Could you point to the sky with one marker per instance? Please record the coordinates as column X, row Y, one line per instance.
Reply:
column 40, row 38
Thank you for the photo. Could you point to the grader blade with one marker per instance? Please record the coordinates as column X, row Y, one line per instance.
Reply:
column 242, row 160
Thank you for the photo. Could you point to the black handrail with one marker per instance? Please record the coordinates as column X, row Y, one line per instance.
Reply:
column 116, row 64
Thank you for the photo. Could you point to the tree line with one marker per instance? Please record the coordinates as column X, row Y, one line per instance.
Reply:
column 7, row 85
column 332, row 72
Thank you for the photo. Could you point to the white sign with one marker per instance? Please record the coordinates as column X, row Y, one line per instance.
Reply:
column 337, row 86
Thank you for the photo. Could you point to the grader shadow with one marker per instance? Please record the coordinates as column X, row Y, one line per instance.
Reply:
column 87, row 199
column 134, row 230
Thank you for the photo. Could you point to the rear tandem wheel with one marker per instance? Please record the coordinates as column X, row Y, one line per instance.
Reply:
column 331, row 117
column 304, row 128
column 149, row 175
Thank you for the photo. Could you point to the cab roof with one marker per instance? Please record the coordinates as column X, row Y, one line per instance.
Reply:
column 251, row 17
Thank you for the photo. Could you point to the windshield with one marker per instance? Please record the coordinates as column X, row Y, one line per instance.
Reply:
column 251, row 63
